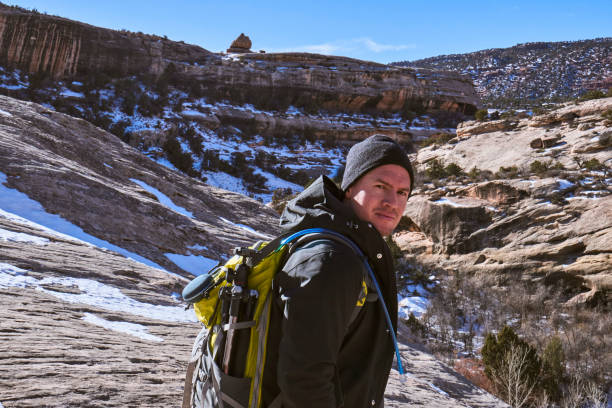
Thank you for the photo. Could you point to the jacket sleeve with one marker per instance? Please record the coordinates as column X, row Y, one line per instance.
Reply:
column 319, row 286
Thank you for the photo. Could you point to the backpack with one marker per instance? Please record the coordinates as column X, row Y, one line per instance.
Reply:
column 233, row 303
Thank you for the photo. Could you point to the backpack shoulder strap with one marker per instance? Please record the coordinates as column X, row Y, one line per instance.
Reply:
column 305, row 236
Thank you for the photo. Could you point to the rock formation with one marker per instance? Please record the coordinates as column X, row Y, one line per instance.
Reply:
column 535, row 227
column 87, row 176
column 60, row 47
column 72, row 49
column 242, row 44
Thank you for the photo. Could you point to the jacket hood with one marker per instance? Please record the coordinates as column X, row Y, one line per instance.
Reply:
column 321, row 206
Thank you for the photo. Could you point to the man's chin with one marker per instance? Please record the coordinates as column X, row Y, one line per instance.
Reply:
column 384, row 229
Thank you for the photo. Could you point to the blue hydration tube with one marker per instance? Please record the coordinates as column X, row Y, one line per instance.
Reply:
column 358, row 251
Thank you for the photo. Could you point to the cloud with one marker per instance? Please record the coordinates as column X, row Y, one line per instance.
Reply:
column 377, row 47
column 347, row 47
column 326, row 48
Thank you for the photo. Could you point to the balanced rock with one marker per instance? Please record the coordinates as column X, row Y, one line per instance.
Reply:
column 240, row 44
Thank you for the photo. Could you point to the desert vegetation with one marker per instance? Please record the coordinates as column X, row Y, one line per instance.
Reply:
column 519, row 342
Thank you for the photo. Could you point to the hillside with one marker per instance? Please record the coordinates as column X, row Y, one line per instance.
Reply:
column 530, row 74
column 248, row 122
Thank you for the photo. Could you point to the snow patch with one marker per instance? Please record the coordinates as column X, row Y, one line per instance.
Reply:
column 132, row 329
column 67, row 93
column 198, row 247
column 93, row 293
column 5, row 113
column 12, row 236
column 163, row 199
column 565, row 184
column 445, row 200
column 416, row 305
column 194, row 264
column 246, row 228
column 15, row 205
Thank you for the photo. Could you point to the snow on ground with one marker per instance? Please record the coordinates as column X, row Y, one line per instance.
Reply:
column 564, row 184
column 5, row 113
column 225, row 181
column 445, row 200
column 17, row 206
column 92, row 293
column 246, row 228
column 194, row 264
column 67, row 93
column 163, row 199
column 12, row 236
column 132, row 329
column 416, row 305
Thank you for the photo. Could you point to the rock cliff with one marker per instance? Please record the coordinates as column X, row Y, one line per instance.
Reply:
column 59, row 47
column 62, row 48
column 542, row 213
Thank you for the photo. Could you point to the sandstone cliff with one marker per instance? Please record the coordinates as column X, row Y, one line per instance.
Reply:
column 60, row 47
column 63, row 48
column 544, row 214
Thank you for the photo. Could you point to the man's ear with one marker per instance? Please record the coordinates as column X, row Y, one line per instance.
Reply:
column 348, row 193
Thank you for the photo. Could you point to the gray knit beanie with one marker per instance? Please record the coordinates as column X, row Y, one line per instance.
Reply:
column 375, row 151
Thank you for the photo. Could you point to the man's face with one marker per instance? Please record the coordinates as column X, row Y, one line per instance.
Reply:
column 380, row 196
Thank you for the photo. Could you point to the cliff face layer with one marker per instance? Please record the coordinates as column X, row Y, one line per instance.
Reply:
column 59, row 47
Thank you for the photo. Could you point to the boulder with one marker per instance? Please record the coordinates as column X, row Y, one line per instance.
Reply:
column 448, row 222
column 242, row 44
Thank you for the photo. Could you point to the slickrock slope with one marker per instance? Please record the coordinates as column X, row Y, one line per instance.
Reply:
column 57, row 298
column 63, row 48
column 555, row 227
column 92, row 179
column 82, row 326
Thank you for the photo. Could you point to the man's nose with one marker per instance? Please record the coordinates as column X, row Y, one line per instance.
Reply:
column 391, row 199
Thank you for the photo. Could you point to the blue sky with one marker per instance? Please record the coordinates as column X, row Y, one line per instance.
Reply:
column 383, row 31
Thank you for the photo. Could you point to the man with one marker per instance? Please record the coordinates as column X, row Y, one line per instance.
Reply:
column 326, row 347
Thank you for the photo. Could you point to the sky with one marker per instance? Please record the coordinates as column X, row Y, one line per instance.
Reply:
column 383, row 31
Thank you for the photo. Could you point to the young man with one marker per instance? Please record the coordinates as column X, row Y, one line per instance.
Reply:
column 329, row 345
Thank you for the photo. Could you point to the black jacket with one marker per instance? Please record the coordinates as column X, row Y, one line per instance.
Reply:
column 317, row 356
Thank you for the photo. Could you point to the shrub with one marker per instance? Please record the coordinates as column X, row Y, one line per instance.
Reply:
column 594, row 94
column 435, row 170
column 539, row 167
column 481, row 114
column 512, row 365
column 453, row 170
column 593, row 165
column 181, row 160
column 553, row 368
column 437, row 139
column 416, row 327
column 507, row 172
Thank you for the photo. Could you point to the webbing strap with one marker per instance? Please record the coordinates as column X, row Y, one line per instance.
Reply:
column 341, row 238
column 261, row 332
column 215, row 381
column 239, row 325
column 231, row 401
